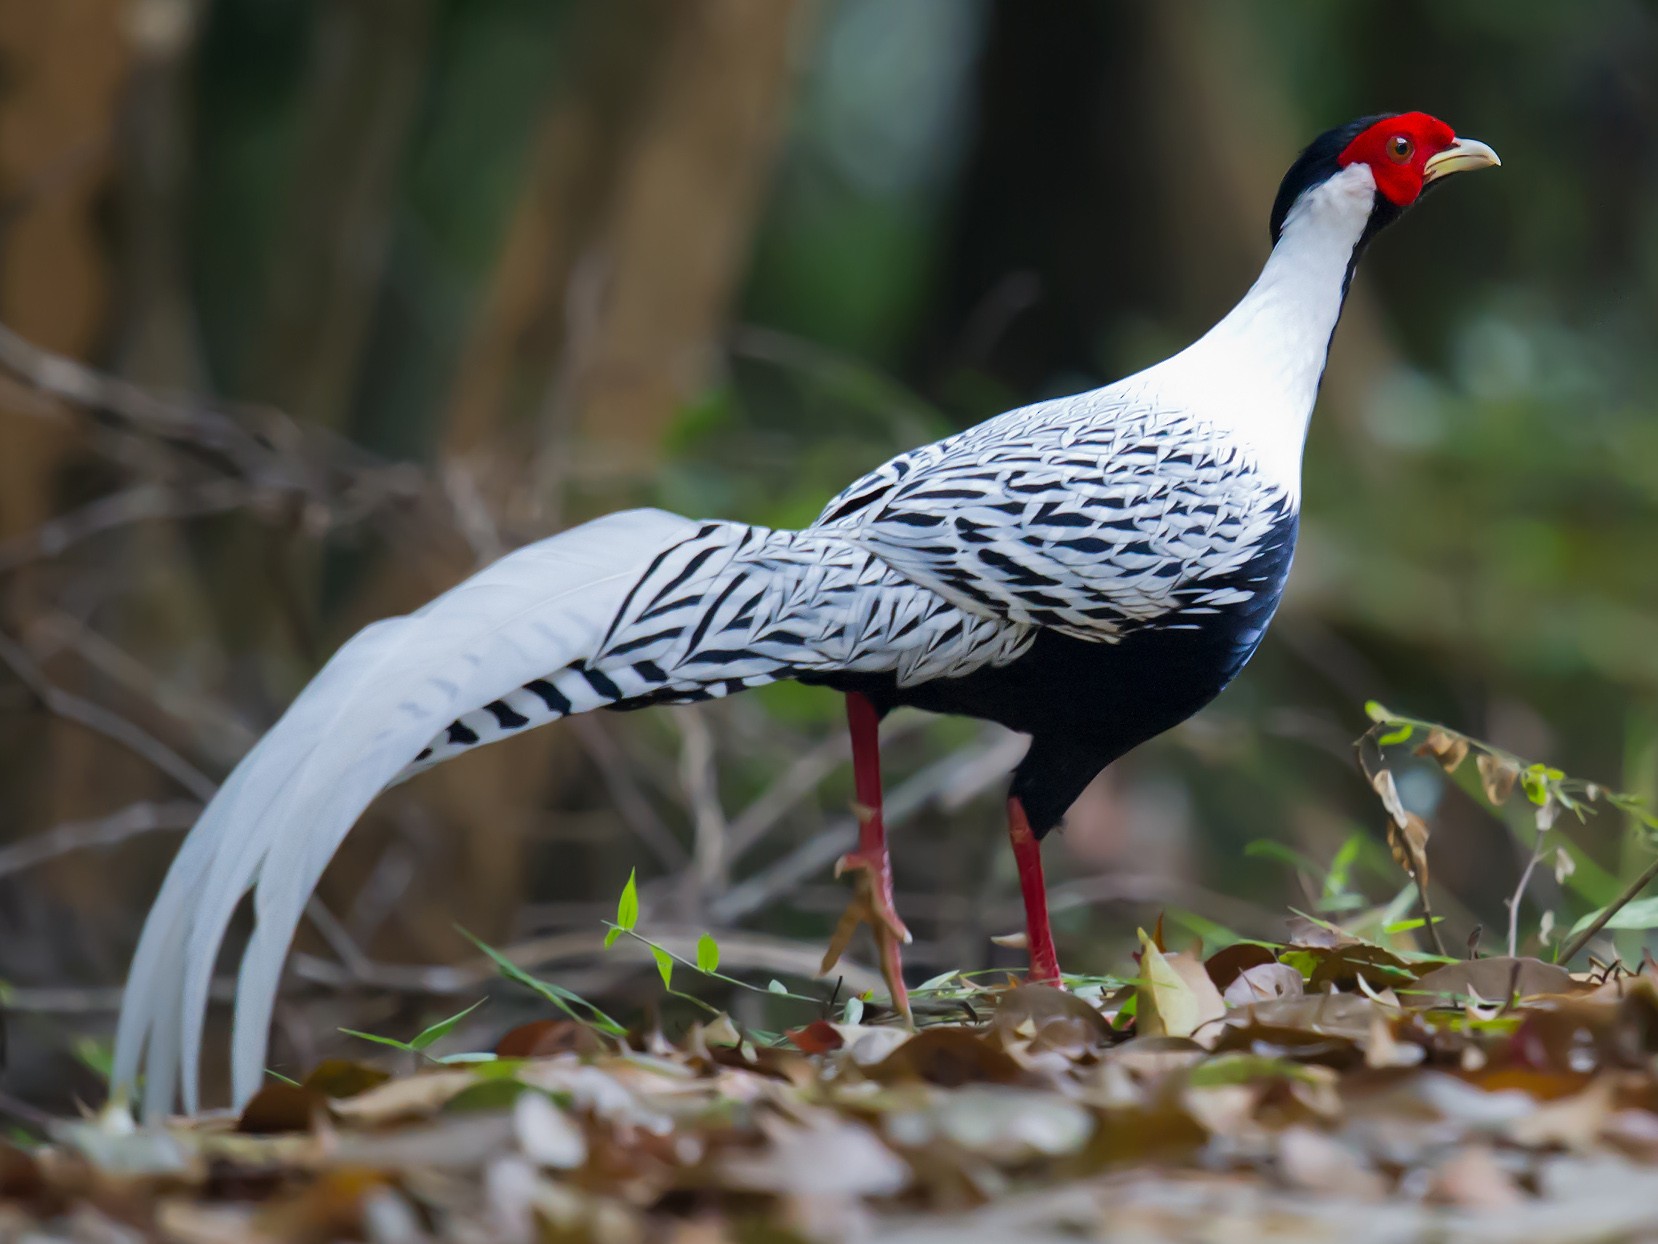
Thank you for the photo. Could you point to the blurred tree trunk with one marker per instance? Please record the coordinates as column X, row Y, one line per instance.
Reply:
column 65, row 63
column 608, row 304
column 602, row 317
column 62, row 93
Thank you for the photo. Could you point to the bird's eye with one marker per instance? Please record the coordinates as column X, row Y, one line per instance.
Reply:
column 1400, row 149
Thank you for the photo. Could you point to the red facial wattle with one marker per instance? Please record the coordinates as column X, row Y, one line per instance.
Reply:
column 1397, row 151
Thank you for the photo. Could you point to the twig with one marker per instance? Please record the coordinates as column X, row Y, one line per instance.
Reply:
column 635, row 809
column 700, row 786
column 955, row 778
column 102, row 721
column 228, row 735
column 786, row 791
column 106, row 831
column 138, row 504
column 756, row 952
column 1627, row 896
column 1513, row 901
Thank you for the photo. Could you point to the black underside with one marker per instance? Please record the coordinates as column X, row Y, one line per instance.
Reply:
column 1084, row 704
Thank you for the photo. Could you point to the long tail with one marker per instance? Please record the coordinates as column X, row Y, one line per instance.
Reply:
column 395, row 698
column 638, row 608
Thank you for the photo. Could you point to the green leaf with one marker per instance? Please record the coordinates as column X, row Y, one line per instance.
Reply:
column 1373, row 709
column 560, row 997
column 708, row 953
column 379, row 1040
column 616, row 931
column 1641, row 914
column 1406, row 926
column 1395, row 736
column 98, row 1055
column 442, row 1028
column 664, row 966
column 1341, row 867
column 627, row 907
column 1535, row 785
column 278, row 1076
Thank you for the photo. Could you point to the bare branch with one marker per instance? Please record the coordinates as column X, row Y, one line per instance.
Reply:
column 951, row 781
column 138, row 504
column 739, row 950
column 618, row 778
column 105, row 831
column 102, row 721
column 700, row 786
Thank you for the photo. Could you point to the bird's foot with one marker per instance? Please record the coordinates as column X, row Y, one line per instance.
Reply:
column 872, row 905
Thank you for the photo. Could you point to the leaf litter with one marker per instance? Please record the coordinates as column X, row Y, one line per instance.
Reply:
column 1324, row 1088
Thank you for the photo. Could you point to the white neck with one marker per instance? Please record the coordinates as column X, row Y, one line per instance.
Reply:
column 1255, row 374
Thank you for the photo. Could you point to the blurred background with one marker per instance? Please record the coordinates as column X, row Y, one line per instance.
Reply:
column 310, row 307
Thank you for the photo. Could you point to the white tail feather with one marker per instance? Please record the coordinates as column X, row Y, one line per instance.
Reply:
column 281, row 815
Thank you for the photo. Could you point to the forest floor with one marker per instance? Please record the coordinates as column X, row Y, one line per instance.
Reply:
column 1324, row 1088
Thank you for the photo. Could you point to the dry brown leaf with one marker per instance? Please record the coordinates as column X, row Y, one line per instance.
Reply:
column 1450, row 750
column 1262, row 983
column 1388, row 791
column 412, row 1097
column 341, row 1078
column 1407, row 838
column 278, row 1108
column 1050, row 1018
column 1573, row 1123
column 1311, row 1160
column 947, row 1057
column 1497, row 776
column 1225, row 965
column 548, row 1136
column 544, row 1037
column 827, row 1156
column 1175, row 997
column 1497, row 979
column 1472, row 1179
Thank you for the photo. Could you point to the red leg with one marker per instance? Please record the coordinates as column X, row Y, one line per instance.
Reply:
column 1027, row 853
column 870, row 862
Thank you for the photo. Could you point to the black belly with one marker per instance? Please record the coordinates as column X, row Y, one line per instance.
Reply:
column 1086, row 703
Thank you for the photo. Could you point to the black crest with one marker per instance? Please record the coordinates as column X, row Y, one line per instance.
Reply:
column 1317, row 164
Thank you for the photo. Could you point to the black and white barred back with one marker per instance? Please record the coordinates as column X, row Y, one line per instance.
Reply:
column 1089, row 517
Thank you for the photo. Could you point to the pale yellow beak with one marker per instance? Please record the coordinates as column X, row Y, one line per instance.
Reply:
column 1459, row 157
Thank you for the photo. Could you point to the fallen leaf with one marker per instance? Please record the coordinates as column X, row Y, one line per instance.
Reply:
column 544, row 1037
column 826, row 1156
column 413, row 1096
column 1313, row 1161
column 1050, row 1018
column 1225, row 965
column 817, row 1037
column 1175, row 997
column 947, row 1057
column 548, row 1136
column 280, row 1108
column 1492, row 980
column 1007, row 1125
column 1344, row 966
column 1472, row 1179
column 1571, row 1122
column 1263, row 982
column 342, row 1077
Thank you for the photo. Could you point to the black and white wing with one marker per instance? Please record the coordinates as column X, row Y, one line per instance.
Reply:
column 1091, row 515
